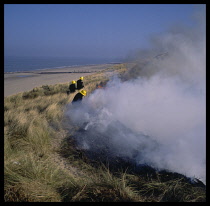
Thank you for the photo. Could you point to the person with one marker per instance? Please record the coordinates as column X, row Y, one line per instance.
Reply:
column 72, row 86
column 80, row 83
column 79, row 96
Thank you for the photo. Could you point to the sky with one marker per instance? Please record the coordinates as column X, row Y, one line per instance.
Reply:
column 87, row 30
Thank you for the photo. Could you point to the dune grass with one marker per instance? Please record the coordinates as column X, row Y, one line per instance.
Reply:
column 42, row 164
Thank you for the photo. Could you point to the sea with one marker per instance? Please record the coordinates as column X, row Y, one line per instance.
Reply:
column 21, row 64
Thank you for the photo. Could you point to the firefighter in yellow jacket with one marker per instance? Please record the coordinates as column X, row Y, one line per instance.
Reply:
column 80, row 83
column 72, row 87
column 79, row 96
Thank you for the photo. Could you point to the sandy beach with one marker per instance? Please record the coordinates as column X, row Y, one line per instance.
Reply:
column 25, row 81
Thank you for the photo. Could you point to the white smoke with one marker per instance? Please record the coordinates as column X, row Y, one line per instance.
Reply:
column 159, row 119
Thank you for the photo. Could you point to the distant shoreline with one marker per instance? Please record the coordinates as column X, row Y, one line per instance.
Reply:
column 61, row 67
column 27, row 64
column 16, row 82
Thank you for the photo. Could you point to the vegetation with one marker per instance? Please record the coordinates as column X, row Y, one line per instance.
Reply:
column 42, row 163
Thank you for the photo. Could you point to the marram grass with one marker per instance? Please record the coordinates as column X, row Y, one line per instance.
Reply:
column 42, row 164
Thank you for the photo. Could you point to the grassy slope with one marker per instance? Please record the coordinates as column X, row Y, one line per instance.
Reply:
column 41, row 163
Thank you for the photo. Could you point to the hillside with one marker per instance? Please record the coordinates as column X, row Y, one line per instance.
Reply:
column 43, row 163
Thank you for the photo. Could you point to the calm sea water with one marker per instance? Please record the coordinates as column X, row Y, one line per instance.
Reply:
column 17, row 64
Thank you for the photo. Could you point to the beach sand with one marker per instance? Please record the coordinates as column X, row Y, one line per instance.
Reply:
column 25, row 81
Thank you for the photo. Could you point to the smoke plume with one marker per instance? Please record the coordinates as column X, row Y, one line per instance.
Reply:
column 158, row 115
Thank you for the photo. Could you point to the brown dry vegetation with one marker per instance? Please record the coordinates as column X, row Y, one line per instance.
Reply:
column 42, row 164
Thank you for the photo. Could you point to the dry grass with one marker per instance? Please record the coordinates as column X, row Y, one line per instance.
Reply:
column 42, row 164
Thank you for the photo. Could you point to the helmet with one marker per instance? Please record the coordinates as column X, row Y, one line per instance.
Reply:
column 83, row 92
column 73, row 82
column 81, row 78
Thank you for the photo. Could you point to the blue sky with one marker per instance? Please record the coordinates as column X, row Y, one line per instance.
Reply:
column 87, row 30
